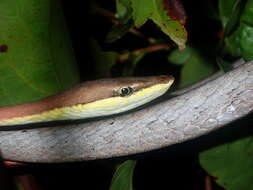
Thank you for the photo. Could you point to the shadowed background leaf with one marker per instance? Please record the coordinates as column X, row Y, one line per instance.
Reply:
column 39, row 60
column 230, row 164
column 195, row 66
column 239, row 39
column 123, row 176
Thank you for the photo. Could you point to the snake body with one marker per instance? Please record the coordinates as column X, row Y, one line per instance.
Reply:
column 88, row 100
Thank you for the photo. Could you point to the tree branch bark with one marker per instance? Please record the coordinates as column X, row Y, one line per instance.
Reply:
column 190, row 114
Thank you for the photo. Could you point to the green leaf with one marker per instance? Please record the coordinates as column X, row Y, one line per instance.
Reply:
column 195, row 66
column 195, row 70
column 247, row 14
column 130, row 64
column 240, row 42
column 154, row 10
column 142, row 11
column 103, row 60
column 39, row 60
column 180, row 57
column 224, row 65
column 233, row 43
column 123, row 10
column 117, row 31
column 171, row 27
column 246, row 41
column 231, row 164
column 124, row 14
column 247, row 31
column 229, row 13
column 123, row 177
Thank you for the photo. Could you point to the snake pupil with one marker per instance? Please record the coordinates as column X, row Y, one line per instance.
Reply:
column 126, row 91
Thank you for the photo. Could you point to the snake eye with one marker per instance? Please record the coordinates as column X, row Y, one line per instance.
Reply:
column 125, row 91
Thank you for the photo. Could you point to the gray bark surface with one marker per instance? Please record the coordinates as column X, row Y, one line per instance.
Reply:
column 188, row 115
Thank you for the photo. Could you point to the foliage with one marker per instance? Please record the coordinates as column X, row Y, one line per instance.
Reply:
column 142, row 10
column 195, row 67
column 33, row 63
column 236, row 17
column 123, row 176
column 230, row 164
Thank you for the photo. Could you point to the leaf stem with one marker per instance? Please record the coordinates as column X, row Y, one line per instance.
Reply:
column 149, row 49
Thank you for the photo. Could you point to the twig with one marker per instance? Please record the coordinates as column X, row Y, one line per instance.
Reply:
column 208, row 183
column 111, row 17
column 149, row 49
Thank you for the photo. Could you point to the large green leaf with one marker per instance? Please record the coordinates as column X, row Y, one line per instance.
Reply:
column 123, row 177
column 39, row 59
column 231, row 164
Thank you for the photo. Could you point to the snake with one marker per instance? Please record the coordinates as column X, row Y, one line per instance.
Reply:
column 90, row 99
